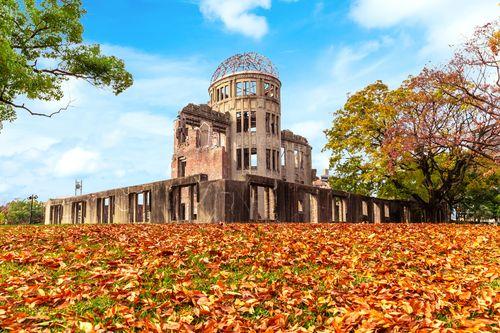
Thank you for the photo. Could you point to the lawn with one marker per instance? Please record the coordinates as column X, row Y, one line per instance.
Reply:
column 294, row 277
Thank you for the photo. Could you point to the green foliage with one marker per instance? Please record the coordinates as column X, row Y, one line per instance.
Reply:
column 3, row 218
column 381, row 145
column 355, row 140
column 41, row 46
column 18, row 212
column 481, row 196
column 427, row 139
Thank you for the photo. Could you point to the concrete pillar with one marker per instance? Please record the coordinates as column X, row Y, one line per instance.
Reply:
column 337, row 209
column 313, row 207
column 191, row 202
column 343, row 204
column 377, row 213
column 267, row 209
column 178, row 199
column 272, row 204
column 254, row 207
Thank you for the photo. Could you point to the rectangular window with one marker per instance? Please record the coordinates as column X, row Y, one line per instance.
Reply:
column 253, row 158
column 253, row 122
column 274, row 160
column 277, row 124
column 246, row 158
column 273, row 120
column 267, row 89
column 268, row 159
column 238, row 122
column 268, row 116
column 225, row 92
column 181, row 172
column 252, row 88
column 365, row 208
column 238, row 159
column 78, row 212
column 245, row 121
column 56, row 213
column 300, row 206
column 296, row 156
column 283, row 156
column 301, row 160
column 239, row 88
column 147, row 206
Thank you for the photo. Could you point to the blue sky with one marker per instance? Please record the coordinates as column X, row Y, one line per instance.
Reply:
column 323, row 50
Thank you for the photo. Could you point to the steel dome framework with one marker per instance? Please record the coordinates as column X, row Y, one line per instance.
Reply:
column 243, row 62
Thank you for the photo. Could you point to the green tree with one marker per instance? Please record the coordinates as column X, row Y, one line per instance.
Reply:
column 3, row 218
column 41, row 46
column 18, row 212
column 406, row 144
column 424, row 140
column 481, row 196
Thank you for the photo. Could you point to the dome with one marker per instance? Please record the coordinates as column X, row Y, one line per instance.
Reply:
column 245, row 62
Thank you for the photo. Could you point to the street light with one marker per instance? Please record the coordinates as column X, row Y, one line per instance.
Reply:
column 32, row 198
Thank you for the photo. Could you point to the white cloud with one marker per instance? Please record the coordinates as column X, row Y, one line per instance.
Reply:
column 108, row 141
column 347, row 56
column 77, row 162
column 446, row 22
column 14, row 142
column 237, row 15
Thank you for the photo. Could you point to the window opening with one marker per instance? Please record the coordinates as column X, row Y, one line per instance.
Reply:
column 253, row 158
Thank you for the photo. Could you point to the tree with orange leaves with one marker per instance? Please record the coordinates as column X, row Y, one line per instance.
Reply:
column 421, row 140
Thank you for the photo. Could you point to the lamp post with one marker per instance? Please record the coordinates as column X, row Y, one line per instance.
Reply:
column 32, row 198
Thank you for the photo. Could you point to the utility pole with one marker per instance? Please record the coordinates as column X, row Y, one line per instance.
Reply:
column 32, row 197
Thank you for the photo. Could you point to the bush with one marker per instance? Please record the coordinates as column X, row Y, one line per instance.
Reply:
column 18, row 212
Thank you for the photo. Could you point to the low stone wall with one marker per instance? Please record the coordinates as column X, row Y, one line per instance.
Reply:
column 198, row 199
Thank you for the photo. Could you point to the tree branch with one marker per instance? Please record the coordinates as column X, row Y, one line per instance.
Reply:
column 24, row 107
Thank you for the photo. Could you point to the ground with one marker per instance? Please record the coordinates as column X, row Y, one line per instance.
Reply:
column 326, row 277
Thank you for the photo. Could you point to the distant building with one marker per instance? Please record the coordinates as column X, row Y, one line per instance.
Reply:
column 232, row 161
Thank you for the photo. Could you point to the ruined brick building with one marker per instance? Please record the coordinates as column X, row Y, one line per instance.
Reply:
column 232, row 162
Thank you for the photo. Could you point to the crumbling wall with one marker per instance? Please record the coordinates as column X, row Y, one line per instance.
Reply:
column 197, row 199
column 200, row 143
column 296, row 164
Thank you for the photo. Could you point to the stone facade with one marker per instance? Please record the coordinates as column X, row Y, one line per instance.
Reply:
column 198, row 199
column 232, row 162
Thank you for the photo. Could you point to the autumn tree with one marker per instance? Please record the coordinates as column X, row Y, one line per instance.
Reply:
column 421, row 140
column 472, row 79
column 41, row 46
